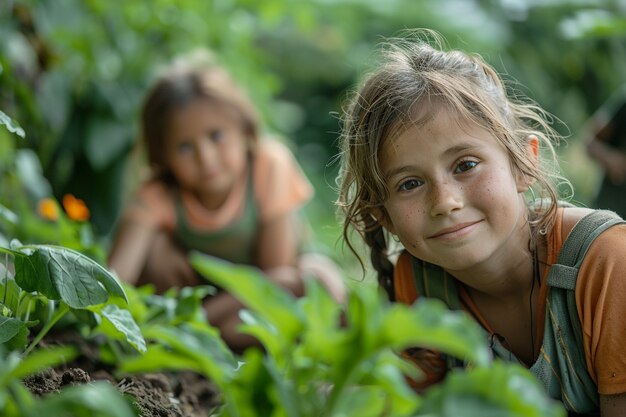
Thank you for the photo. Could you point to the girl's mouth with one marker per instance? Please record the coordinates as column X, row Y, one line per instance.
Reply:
column 456, row 231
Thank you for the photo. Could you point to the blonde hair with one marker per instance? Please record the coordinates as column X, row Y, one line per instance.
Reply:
column 417, row 72
column 188, row 78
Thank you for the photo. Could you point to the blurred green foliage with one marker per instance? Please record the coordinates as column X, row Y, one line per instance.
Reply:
column 73, row 73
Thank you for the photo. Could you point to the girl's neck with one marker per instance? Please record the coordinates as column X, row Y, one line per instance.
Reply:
column 507, row 274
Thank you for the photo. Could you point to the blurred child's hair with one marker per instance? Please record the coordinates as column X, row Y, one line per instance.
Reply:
column 417, row 78
column 188, row 78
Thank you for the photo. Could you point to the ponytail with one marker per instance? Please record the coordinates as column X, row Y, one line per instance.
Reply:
column 375, row 239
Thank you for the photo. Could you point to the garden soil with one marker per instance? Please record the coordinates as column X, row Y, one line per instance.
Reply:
column 175, row 394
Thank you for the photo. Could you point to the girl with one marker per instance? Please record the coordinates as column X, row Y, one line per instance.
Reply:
column 437, row 157
column 215, row 187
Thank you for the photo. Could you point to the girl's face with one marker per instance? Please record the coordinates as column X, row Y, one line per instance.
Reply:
column 454, row 200
column 206, row 150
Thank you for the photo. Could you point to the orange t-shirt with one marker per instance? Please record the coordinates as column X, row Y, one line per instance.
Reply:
column 600, row 299
column 280, row 187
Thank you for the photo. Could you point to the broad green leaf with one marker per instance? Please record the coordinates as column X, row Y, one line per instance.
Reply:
column 362, row 401
column 62, row 273
column 8, row 215
column 36, row 361
column 428, row 323
column 255, row 325
column 159, row 358
column 20, row 340
column 199, row 342
column 255, row 290
column 121, row 321
column 9, row 294
column 11, row 125
column 96, row 399
column 285, row 388
column 323, row 334
column 189, row 305
column 504, row 389
column 9, row 328
column 252, row 391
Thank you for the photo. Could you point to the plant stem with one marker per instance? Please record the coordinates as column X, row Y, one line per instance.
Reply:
column 63, row 309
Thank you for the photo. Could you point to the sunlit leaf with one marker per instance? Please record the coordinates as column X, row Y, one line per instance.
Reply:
column 121, row 321
column 11, row 125
column 62, row 273
column 503, row 390
column 254, row 290
column 9, row 328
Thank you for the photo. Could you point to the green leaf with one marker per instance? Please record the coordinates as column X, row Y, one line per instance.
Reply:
column 10, row 294
column 503, row 390
column 120, row 321
column 256, row 291
column 189, row 305
column 8, row 215
column 16, row 367
column 9, row 328
column 159, row 358
column 362, row 401
column 62, row 273
column 11, row 125
column 96, row 399
column 199, row 342
column 429, row 323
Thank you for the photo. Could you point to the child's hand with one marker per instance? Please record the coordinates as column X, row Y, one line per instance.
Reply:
column 167, row 266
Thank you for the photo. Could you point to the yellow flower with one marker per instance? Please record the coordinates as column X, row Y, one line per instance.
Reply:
column 48, row 209
column 75, row 208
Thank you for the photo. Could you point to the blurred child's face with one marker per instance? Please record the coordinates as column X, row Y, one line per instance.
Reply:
column 454, row 200
column 206, row 149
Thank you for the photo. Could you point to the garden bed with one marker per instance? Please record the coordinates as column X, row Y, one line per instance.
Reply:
column 163, row 394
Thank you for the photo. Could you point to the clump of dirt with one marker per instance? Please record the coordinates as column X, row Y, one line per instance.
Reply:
column 167, row 394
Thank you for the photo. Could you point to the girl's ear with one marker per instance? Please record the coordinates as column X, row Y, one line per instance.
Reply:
column 381, row 218
column 532, row 149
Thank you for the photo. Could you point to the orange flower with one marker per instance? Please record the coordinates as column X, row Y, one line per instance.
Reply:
column 48, row 209
column 75, row 208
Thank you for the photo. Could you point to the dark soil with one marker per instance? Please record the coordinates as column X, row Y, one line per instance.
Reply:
column 168, row 394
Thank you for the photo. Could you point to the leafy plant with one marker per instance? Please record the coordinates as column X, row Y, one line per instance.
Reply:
column 321, row 359
column 62, row 280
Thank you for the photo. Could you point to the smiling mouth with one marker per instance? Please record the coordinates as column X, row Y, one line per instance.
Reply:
column 455, row 231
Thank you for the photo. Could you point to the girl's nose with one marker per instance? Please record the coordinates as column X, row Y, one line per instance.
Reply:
column 205, row 153
column 446, row 197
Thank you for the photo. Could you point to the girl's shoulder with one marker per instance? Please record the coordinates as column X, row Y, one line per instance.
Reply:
column 155, row 192
column 270, row 152
column 571, row 216
column 153, row 202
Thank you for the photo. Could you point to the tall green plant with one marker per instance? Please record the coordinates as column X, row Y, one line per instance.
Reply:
column 323, row 359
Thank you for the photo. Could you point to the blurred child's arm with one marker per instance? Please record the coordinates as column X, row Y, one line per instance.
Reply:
column 146, row 217
column 278, row 243
column 130, row 249
column 281, row 190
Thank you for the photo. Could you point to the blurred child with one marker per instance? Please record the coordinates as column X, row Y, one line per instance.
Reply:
column 436, row 156
column 216, row 187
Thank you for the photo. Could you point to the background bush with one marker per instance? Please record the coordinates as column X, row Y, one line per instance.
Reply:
column 73, row 74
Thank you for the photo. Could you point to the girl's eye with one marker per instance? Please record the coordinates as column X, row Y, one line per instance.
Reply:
column 216, row 135
column 464, row 166
column 410, row 184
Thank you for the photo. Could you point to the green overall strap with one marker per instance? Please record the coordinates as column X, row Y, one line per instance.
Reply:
column 561, row 366
column 433, row 282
